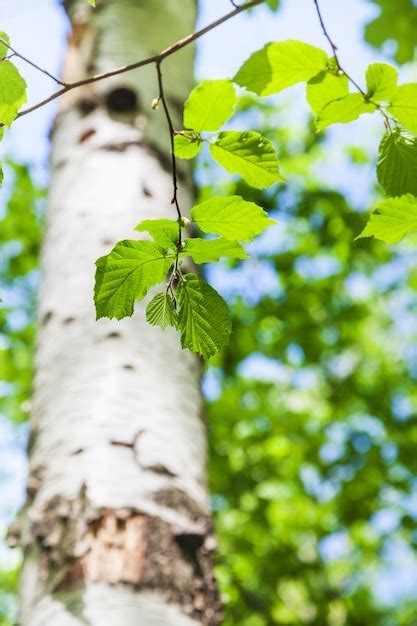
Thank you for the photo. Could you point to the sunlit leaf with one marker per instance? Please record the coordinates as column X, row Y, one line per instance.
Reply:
column 211, row 250
column 280, row 65
column 204, row 319
column 325, row 87
column 210, row 105
column 186, row 147
column 126, row 275
column 404, row 106
column 344, row 110
column 248, row 154
column 12, row 92
column 392, row 219
column 164, row 232
column 231, row 217
column 397, row 164
column 381, row 81
column 4, row 50
column 161, row 311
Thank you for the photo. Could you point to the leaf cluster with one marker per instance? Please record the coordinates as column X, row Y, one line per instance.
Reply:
column 188, row 303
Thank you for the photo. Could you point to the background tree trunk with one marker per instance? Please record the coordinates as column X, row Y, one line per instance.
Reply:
column 117, row 527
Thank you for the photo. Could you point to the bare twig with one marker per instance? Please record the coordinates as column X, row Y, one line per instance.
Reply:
column 334, row 48
column 156, row 58
column 174, row 201
column 26, row 60
column 164, row 101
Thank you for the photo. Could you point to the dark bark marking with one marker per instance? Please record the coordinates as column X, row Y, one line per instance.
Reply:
column 78, row 451
column 122, row 444
column 177, row 499
column 90, row 132
column 122, row 100
column 121, row 146
column 159, row 469
column 60, row 164
column 46, row 318
column 86, row 106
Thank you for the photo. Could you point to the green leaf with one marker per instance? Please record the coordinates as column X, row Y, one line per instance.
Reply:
column 126, row 275
column 280, row 65
column 211, row 250
column 186, row 147
column 1, row 167
column 12, row 92
column 325, row 87
column 231, row 217
column 392, row 219
column 404, row 106
column 4, row 50
column 164, row 232
column 344, row 110
column 397, row 164
column 273, row 4
column 161, row 311
column 248, row 154
column 204, row 319
column 210, row 105
column 381, row 81
column 92, row 2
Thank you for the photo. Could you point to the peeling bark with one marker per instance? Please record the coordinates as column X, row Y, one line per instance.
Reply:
column 117, row 529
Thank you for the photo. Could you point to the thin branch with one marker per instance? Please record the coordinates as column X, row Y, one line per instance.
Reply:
column 334, row 48
column 163, row 99
column 157, row 58
column 365, row 95
column 26, row 60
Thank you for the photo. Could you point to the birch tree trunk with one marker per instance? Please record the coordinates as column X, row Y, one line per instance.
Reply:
column 117, row 528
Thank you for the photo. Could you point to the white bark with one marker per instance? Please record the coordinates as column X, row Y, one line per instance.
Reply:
column 118, row 448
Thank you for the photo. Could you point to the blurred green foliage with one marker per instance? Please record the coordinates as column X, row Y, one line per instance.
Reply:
column 312, row 421
column 20, row 233
column 396, row 22
column 8, row 586
column 20, row 228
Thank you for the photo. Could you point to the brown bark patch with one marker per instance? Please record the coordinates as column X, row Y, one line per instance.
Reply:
column 126, row 546
column 115, row 549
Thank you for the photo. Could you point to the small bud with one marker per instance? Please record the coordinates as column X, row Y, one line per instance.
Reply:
column 155, row 103
column 184, row 221
column 182, row 245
